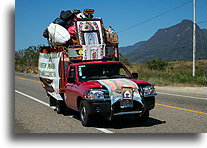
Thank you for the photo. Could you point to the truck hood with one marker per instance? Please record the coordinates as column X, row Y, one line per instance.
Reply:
column 96, row 83
column 137, row 81
column 92, row 84
column 119, row 88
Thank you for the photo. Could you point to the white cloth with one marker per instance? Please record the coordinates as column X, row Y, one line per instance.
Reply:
column 58, row 35
column 49, row 69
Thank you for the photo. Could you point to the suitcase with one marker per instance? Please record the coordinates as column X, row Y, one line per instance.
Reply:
column 66, row 15
column 60, row 22
column 113, row 38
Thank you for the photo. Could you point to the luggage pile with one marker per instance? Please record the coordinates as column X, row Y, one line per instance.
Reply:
column 62, row 31
column 82, row 35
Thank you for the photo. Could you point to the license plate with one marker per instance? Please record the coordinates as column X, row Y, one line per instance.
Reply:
column 126, row 103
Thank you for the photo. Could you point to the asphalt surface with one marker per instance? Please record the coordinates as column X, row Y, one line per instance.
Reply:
column 176, row 111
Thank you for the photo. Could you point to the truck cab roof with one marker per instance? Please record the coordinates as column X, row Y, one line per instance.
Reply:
column 95, row 62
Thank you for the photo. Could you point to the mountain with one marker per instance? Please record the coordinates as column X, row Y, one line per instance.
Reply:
column 127, row 49
column 173, row 43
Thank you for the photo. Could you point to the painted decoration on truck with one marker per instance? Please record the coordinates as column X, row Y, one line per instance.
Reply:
column 93, row 28
column 121, row 89
column 49, row 73
column 93, row 52
column 75, row 52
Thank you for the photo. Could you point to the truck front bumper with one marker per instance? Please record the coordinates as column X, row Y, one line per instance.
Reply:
column 104, row 108
column 98, row 107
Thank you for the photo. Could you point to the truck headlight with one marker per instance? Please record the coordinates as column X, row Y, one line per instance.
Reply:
column 148, row 91
column 95, row 94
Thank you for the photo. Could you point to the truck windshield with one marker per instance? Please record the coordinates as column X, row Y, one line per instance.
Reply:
column 99, row 71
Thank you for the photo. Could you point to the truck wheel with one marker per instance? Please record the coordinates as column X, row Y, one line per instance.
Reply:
column 143, row 117
column 84, row 116
column 60, row 107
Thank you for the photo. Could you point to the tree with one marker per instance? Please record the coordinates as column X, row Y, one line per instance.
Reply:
column 27, row 58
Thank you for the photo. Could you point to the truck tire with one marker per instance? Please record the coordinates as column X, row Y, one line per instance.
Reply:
column 143, row 117
column 84, row 116
column 60, row 107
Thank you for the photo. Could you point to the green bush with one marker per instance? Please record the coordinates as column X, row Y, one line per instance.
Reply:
column 157, row 64
column 26, row 60
column 175, row 73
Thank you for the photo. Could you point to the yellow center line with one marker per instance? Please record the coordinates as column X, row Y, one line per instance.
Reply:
column 28, row 79
column 181, row 109
column 194, row 111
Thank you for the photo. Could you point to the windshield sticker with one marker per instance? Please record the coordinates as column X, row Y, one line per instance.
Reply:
column 80, row 71
column 83, row 77
column 82, row 66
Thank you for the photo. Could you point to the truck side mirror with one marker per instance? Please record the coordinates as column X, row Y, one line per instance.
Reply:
column 135, row 75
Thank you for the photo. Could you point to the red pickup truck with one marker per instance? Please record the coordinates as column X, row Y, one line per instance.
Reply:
column 88, row 77
column 103, row 88
column 108, row 89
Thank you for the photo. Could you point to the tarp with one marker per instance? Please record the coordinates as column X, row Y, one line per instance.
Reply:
column 118, row 89
column 49, row 73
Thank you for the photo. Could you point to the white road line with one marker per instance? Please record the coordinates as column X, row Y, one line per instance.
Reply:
column 46, row 104
column 181, row 96
column 104, row 130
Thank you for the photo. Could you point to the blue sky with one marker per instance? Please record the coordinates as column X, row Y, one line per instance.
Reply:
column 33, row 16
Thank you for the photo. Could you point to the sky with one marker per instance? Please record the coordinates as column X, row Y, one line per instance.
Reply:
column 146, row 17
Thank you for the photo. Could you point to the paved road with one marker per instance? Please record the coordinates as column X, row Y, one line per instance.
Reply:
column 175, row 112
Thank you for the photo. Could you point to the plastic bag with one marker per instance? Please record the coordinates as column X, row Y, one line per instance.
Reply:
column 58, row 35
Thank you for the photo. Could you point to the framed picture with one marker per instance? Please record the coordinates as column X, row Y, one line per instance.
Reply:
column 89, row 32
column 91, row 38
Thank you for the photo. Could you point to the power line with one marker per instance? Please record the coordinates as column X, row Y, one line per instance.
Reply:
column 145, row 21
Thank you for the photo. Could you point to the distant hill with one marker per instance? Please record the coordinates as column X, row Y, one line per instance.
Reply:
column 170, row 44
column 128, row 49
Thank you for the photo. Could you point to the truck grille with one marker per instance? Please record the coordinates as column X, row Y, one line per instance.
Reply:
column 137, row 106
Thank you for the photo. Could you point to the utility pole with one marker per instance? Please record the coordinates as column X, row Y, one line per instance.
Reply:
column 194, row 35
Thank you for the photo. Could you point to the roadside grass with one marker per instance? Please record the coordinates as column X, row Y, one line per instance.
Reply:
column 176, row 73
column 25, row 69
column 157, row 71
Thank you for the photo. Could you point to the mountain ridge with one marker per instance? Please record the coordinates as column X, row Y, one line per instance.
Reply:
column 171, row 44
